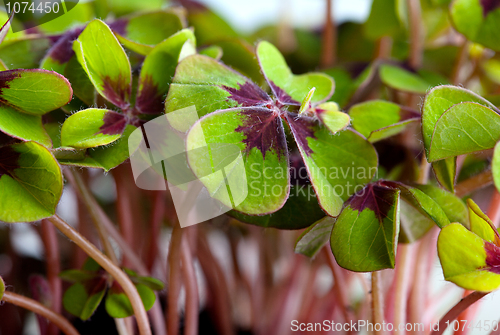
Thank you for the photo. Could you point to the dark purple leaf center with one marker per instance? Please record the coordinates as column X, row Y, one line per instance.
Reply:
column 492, row 257
column 114, row 124
column 263, row 130
column 282, row 96
column 8, row 160
column 5, row 78
column 408, row 113
column 149, row 100
column 489, row 5
column 117, row 91
column 376, row 198
column 302, row 128
column 248, row 95
column 62, row 50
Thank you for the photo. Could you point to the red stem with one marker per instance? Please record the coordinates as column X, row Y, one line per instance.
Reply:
column 329, row 38
column 340, row 286
column 453, row 313
column 402, row 284
column 124, row 209
column 36, row 307
column 159, row 205
column 174, row 281
column 191, row 285
column 217, row 286
column 53, row 262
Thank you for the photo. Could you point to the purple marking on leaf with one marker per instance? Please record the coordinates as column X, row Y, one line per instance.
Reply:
column 298, row 174
column 406, row 113
column 248, row 95
column 119, row 26
column 492, row 257
column 489, row 5
column 62, row 50
column 302, row 128
column 114, row 124
column 8, row 160
column 376, row 198
column 282, row 96
column 116, row 288
column 193, row 6
column 263, row 130
column 7, row 76
column 117, row 92
column 149, row 100
column 96, row 284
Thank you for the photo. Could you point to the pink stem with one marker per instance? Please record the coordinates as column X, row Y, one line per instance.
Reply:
column 191, row 285
column 51, row 244
column 453, row 313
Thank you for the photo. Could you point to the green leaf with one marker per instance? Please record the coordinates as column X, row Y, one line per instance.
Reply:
column 158, row 70
column 23, row 126
column 495, row 166
column 478, row 21
column 213, row 51
column 104, row 157
column 105, row 62
column 306, row 103
column 452, row 206
column 208, row 26
column 464, row 128
column 264, row 155
column 239, row 55
column 403, row 80
column 2, row 288
column 463, row 257
column 330, row 115
column 287, row 87
column 58, row 56
column 337, row 165
column 491, row 68
column 25, row 52
column 152, row 283
column 300, row 211
column 141, row 32
column 417, row 217
column 109, row 157
column 82, row 86
column 77, row 276
column 437, row 101
column 421, row 201
column 118, row 305
column 82, row 299
column 445, row 171
column 122, row 7
column 315, row 237
column 364, row 238
column 209, row 86
column 378, row 119
column 480, row 224
column 383, row 20
column 413, row 223
column 35, row 92
column 344, row 86
column 91, row 128
column 31, row 183
column 5, row 27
